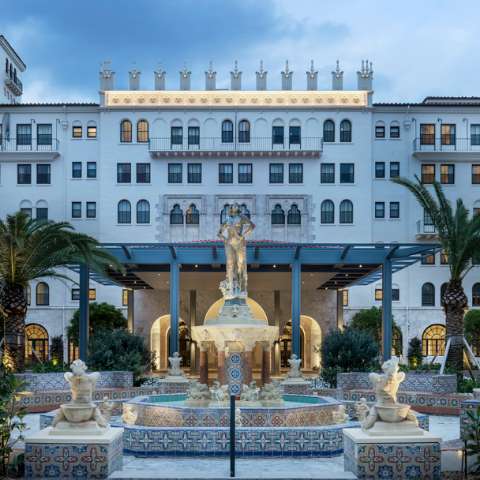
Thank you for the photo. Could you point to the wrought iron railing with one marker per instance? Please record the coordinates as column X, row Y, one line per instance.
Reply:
column 27, row 143
column 446, row 143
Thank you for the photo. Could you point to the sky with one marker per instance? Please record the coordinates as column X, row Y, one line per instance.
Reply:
column 418, row 48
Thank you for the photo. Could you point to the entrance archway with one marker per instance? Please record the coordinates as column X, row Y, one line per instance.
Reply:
column 36, row 347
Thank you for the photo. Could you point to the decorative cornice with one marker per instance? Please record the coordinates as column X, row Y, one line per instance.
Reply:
column 236, row 99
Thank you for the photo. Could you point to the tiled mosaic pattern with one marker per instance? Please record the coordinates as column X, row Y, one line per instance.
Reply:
column 78, row 461
column 471, row 404
column 414, row 382
column 392, row 461
column 235, row 373
column 302, row 389
column 41, row 382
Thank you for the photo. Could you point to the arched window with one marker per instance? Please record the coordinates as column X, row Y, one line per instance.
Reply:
column 143, row 211
column 294, row 216
column 476, row 295
column 428, row 295
column 346, row 131
column 346, row 211
column 328, row 131
column 36, row 343
column 192, row 215
column 224, row 213
column 244, row 131
column 125, row 131
column 124, row 212
column 433, row 340
column 327, row 212
column 42, row 294
column 142, row 131
column 244, row 210
column 176, row 215
column 227, row 131
column 278, row 215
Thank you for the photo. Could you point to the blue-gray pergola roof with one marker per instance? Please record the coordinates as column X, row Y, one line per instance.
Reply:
column 350, row 263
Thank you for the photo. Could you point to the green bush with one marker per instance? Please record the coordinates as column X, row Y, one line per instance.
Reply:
column 56, row 350
column 349, row 350
column 415, row 357
column 471, row 325
column 103, row 316
column 119, row 350
column 48, row 367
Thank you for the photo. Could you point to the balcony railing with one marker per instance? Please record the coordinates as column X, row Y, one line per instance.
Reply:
column 173, row 145
column 26, row 143
column 14, row 84
column 446, row 143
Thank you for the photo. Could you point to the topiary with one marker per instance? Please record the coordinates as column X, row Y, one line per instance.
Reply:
column 415, row 356
column 349, row 350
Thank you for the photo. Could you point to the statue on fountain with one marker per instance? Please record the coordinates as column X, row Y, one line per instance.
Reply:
column 295, row 364
column 175, row 369
column 271, row 394
column 218, row 392
column 250, row 393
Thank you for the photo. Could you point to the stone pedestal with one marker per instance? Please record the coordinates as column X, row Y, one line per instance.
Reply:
column 203, row 361
column 392, row 457
column 73, row 456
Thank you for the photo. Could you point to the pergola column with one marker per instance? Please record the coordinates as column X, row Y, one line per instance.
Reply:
column 130, row 310
column 387, row 321
column 266, row 363
column 203, row 363
column 84, row 311
column 296, row 285
column 248, row 363
column 174, row 306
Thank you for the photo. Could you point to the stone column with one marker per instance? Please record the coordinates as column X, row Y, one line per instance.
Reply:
column 248, row 364
column 266, row 364
column 203, row 364
column 222, row 374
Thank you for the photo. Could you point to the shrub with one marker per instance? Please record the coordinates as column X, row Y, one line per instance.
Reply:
column 349, row 350
column 103, row 316
column 48, row 367
column 118, row 350
column 56, row 350
column 415, row 357
column 471, row 325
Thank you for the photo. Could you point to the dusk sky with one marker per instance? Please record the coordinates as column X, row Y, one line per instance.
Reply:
column 418, row 48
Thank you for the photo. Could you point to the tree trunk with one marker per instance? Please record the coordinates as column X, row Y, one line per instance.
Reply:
column 454, row 303
column 13, row 307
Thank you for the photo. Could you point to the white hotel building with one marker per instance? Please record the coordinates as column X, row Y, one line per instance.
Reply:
column 307, row 165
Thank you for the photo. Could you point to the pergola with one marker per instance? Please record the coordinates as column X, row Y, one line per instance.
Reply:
column 349, row 264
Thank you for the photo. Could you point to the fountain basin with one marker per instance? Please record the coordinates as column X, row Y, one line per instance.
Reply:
column 393, row 414
column 77, row 413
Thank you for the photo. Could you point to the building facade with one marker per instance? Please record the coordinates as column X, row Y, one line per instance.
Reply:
column 306, row 165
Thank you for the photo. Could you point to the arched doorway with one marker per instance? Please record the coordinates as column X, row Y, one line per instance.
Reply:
column 433, row 340
column 285, row 342
column 184, row 342
column 36, row 343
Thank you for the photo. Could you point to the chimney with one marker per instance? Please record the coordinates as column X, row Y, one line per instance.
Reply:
column 107, row 77
column 134, row 79
column 261, row 77
column 287, row 75
column 210, row 78
column 159, row 78
column 236, row 78
column 312, row 78
column 365, row 76
column 185, row 78
column 337, row 78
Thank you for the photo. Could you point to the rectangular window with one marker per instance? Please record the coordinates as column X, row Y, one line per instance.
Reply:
column 76, row 209
column 175, row 173
column 295, row 173
column 24, row 134
column 448, row 134
column 24, row 174
column 92, row 294
column 380, row 131
column 327, row 173
column 427, row 134
column 443, row 258
column 394, row 169
column 379, row 169
column 76, row 169
column 379, row 209
column 447, row 174
column 394, row 209
column 475, row 134
column 124, row 173
column 124, row 297
column 27, row 211
column 91, row 169
column 225, row 173
column 245, row 173
column 92, row 131
column 77, row 131
column 193, row 136
column 395, row 294
column 277, row 135
column 294, row 135
column 394, row 131
column 42, row 213
column 345, row 298
column 143, row 173
column 276, row 173
column 44, row 134
column 428, row 259
column 176, row 135
column 43, row 173
column 347, row 173
column 476, row 174
column 194, row 173
column 75, row 294
column 428, row 173
column 91, row 209
column 378, row 294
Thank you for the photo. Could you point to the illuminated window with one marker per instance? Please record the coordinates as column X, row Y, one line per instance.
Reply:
column 142, row 131
column 36, row 343
column 428, row 173
column 428, row 259
column 433, row 340
column 91, row 129
column 192, row 215
column 447, row 174
column 443, row 258
column 92, row 294
column 77, row 131
column 448, row 134
column 126, row 131
column 427, row 134
column 125, row 297
column 476, row 174
column 378, row 294
column 42, row 294
column 345, row 298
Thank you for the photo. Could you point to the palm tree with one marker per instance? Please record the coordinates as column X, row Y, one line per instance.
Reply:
column 459, row 235
column 32, row 249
